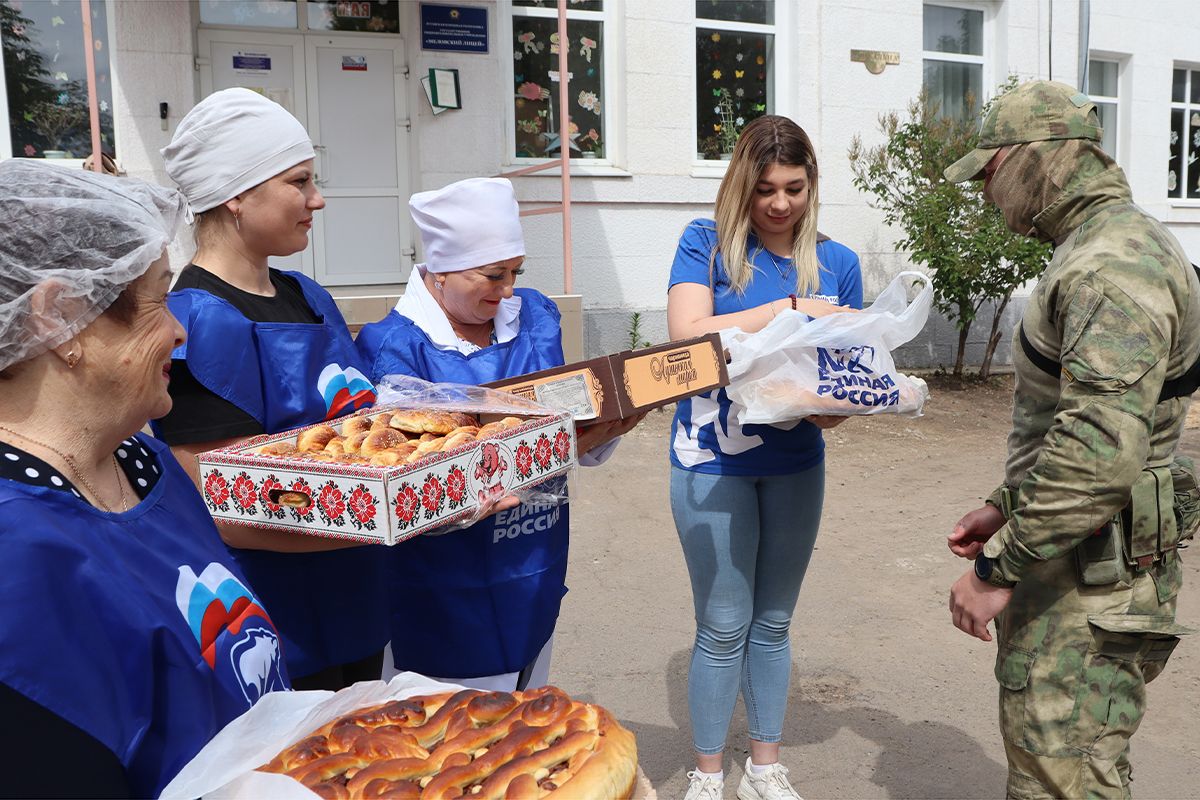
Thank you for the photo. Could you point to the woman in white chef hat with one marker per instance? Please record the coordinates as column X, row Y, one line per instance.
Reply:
column 266, row 351
column 477, row 607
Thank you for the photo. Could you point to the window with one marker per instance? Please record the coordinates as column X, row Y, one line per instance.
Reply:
column 1183, row 173
column 360, row 16
column 535, row 79
column 953, row 59
column 45, row 79
column 735, row 71
column 1102, row 88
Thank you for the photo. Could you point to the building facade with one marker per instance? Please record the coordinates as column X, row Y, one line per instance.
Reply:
column 658, row 89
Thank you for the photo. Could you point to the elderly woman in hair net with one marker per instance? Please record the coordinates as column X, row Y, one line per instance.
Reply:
column 268, row 350
column 123, row 610
column 477, row 607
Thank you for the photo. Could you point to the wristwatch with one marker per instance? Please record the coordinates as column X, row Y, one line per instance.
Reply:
column 987, row 571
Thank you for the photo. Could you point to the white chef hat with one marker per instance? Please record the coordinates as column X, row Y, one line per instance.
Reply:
column 468, row 224
column 232, row 141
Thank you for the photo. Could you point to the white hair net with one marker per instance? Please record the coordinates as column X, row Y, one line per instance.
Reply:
column 83, row 237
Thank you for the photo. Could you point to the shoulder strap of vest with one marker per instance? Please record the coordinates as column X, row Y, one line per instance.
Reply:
column 1183, row 386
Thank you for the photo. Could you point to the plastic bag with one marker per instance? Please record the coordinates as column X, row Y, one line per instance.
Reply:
column 405, row 391
column 839, row 364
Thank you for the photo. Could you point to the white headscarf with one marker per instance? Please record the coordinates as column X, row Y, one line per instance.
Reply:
column 468, row 224
column 232, row 141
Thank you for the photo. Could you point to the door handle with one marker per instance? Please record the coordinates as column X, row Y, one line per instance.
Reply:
column 321, row 177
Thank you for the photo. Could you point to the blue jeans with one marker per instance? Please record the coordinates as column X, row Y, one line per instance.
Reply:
column 747, row 542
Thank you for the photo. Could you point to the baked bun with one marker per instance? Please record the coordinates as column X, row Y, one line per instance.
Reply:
column 355, row 425
column 334, row 446
column 381, row 420
column 416, row 421
column 468, row 744
column 278, row 449
column 315, row 438
column 379, row 440
column 353, row 444
column 464, row 419
column 498, row 428
column 460, row 437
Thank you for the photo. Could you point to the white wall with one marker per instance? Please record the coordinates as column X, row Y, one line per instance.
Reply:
column 1149, row 46
column 627, row 221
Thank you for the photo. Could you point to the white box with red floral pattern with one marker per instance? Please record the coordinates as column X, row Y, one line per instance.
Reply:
column 381, row 504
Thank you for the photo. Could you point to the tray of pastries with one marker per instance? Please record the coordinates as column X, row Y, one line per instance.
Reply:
column 385, row 474
column 473, row 744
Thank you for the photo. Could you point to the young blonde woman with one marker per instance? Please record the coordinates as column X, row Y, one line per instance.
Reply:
column 747, row 499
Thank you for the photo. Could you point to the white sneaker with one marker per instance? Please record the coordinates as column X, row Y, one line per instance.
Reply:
column 769, row 785
column 703, row 787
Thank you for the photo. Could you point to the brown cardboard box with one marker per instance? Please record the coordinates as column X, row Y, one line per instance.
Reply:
column 627, row 383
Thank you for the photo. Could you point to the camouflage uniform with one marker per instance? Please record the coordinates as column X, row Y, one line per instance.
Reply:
column 1119, row 309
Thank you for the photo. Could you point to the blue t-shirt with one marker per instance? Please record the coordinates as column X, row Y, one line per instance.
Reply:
column 705, row 435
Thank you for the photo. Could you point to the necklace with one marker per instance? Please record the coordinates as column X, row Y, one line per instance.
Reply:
column 783, row 271
column 74, row 467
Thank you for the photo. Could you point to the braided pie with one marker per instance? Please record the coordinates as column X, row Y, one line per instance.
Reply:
column 535, row 744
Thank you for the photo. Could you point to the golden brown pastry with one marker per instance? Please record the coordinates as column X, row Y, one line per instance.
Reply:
column 379, row 440
column 353, row 444
column 334, row 446
column 417, row 421
column 464, row 419
column 460, row 437
column 315, row 438
column 381, row 420
column 278, row 449
column 355, row 425
column 388, row 458
column 472, row 744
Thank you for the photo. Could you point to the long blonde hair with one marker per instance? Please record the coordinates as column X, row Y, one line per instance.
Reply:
column 766, row 141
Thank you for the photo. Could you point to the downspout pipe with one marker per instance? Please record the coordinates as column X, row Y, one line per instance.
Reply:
column 1085, row 26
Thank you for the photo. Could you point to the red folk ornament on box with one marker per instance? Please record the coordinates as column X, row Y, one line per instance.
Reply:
column 562, row 445
column 332, row 504
column 456, row 486
column 273, row 510
column 362, row 508
column 306, row 513
column 216, row 491
column 433, row 496
column 523, row 457
column 542, row 452
column 407, row 505
column 245, row 493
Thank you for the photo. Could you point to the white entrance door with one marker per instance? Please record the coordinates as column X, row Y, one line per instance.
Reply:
column 349, row 93
column 358, row 120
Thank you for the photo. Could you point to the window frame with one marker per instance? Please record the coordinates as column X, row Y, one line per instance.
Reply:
column 612, row 120
column 1183, row 201
column 301, row 24
column 987, row 38
column 779, row 74
column 1096, row 56
column 114, row 77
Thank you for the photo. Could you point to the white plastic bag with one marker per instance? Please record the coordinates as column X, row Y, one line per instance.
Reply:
column 405, row 391
column 839, row 364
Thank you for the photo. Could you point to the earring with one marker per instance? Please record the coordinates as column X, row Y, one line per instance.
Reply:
column 439, row 284
column 72, row 358
column 237, row 222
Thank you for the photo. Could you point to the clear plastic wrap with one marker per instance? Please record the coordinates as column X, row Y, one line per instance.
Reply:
column 839, row 364
column 405, row 391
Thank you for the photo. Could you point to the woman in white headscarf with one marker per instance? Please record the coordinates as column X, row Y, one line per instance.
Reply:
column 266, row 351
column 477, row 607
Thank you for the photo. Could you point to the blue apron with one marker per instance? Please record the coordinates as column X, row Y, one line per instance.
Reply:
column 482, row 601
column 328, row 606
column 136, row 627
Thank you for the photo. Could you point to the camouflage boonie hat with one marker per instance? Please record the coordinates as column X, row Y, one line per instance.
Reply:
column 1036, row 111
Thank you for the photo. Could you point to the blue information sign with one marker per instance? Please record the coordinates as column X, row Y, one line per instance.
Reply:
column 461, row 29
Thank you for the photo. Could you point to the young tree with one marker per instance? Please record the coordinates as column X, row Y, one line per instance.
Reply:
column 973, row 257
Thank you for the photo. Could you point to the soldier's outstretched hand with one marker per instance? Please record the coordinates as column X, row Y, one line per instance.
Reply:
column 974, row 604
column 973, row 530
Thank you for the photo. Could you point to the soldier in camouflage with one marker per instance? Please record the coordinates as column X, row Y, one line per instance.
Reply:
column 1075, row 555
